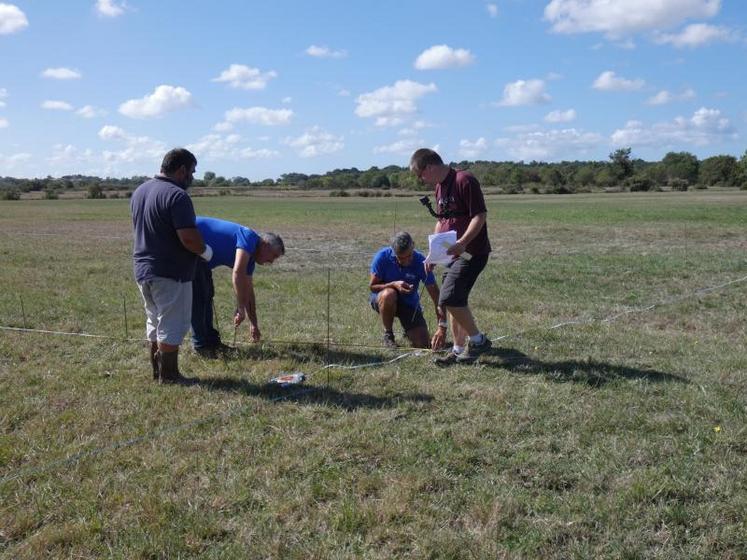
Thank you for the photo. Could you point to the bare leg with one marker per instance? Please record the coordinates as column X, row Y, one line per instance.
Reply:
column 419, row 337
column 462, row 324
column 387, row 301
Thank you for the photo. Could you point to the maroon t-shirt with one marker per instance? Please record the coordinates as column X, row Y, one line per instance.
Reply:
column 465, row 196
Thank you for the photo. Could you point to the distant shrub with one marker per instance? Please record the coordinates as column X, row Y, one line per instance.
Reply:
column 224, row 192
column 339, row 193
column 639, row 184
column 701, row 186
column 559, row 189
column 677, row 184
column 534, row 189
column 51, row 194
column 512, row 189
column 113, row 195
column 95, row 191
column 364, row 194
column 10, row 194
column 128, row 194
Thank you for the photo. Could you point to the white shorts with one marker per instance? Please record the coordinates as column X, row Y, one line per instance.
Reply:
column 168, row 308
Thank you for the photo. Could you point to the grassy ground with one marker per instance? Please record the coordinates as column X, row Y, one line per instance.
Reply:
column 618, row 439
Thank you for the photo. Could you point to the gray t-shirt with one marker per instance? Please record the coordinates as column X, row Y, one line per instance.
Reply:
column 160, row 207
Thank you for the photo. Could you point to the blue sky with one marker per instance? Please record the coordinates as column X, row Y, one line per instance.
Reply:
column 256, row 89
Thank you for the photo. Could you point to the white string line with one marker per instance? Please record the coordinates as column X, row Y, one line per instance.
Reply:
column 609, row 319
column 77, row 457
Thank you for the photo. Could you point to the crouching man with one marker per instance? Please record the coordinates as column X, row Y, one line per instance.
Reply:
column 239, row 248
column 396, row 273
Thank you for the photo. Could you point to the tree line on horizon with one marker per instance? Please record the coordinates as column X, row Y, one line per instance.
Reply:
column 676, row 171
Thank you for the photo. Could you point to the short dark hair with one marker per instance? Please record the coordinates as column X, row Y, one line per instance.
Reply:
column 175, row 158
column 401, row 242
column 423, row 158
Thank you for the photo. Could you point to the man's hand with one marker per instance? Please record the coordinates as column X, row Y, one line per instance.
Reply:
column 402, row 287
column 456, row 249
column 256, row 335
column 439, row 338
column 239, row 317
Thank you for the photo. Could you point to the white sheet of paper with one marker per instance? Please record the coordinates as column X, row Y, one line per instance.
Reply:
column 438, row 243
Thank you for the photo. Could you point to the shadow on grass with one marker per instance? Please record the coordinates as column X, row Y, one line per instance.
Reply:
column 310, row 394
column 302, row 353
column 307, row 393
column 590, row 372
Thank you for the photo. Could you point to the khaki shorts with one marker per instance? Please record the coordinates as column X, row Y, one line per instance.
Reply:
column 168, row 309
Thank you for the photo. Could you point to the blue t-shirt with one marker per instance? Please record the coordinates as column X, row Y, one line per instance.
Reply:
column 224, row 238
column 385, row 266
column 160, row 207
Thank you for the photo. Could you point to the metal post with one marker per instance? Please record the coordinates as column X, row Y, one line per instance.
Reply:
column 124, row 310
column 329, row 283
column 23, row 312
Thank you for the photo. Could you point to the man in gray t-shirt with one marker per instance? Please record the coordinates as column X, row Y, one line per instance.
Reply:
column 165, row 248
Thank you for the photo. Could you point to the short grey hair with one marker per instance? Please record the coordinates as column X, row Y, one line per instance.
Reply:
column 274, row 241
column 401, row 242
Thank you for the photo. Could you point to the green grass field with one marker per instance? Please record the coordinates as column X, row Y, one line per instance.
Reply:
column 604, row 439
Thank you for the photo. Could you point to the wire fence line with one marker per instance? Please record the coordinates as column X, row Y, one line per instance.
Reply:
column 227, row 415
column 321, row 343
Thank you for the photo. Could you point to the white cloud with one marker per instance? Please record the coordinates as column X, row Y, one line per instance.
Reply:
column 4, row 123
column 316, row 142
column 286, row 100
column 706, row 126
column 618, row 18
column 609, row 81
column 3, row 93
column 12, row 19
column 136, row 148
column 57, row 105
column 344, row 93
column 472, row 150
column 665, row 96
column 215, row 147
column 2, row 104
column 223, row 127
column 67, row 154
column 388, row 121
column 696, row 35
column 414, row 129
column 259, row 115
column 561, row 116
column 406, row 146
column 90, row 112
column 11, row 162
column 392, row 102
column 245, row 77
column 110, row 8
column 61, row 74
column 524, row 92
column 325, row 52
column 164, row 99
column 492, row 10
column 550, row 144
column 439, row 57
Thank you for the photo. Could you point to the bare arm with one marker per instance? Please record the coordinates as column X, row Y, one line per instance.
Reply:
column 376, row 285
column 439, row 336
column 191, row 239
column 475, row 226
column 239, row 279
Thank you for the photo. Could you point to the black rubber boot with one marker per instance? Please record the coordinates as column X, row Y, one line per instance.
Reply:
column 169, row 369
column 154, row 359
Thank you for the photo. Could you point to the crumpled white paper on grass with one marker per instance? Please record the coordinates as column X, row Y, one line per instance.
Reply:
column 438, row 244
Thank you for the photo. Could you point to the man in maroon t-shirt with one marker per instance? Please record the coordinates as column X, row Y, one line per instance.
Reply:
column 461, row 208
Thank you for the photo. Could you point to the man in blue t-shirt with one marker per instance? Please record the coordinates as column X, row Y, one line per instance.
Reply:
column 239, row 248
column 396, row 272
column 166, row 247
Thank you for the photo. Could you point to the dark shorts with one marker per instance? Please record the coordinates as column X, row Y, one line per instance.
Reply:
column 409, row 317
column 458, row 280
